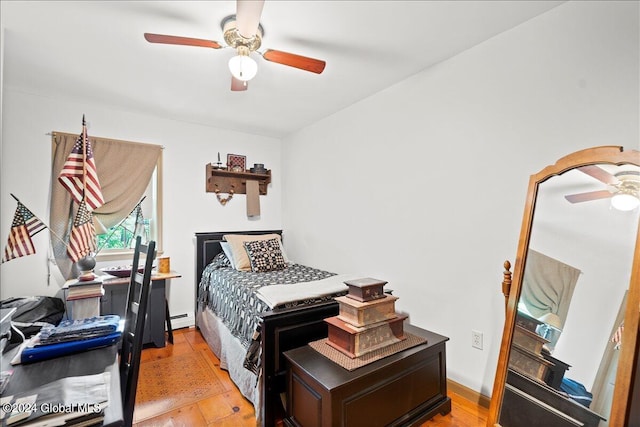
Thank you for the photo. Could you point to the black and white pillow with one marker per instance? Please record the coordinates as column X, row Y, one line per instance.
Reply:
column 265, row 255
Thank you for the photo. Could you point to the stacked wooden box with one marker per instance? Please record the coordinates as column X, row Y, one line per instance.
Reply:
column 526, row 355
column 367, row 319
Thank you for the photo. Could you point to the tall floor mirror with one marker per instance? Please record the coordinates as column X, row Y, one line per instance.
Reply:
column 569, row 351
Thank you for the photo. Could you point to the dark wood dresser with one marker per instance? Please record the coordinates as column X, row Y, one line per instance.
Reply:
column 406, row 388
column 526, row 399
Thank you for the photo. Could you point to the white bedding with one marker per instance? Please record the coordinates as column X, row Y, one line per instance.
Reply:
column 275, row 295
column 231, row 354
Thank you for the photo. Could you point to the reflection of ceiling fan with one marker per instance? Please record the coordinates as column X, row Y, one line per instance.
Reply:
column 243, row 32
column 624, row 188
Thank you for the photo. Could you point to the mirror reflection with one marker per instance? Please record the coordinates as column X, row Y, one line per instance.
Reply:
column 566, row 342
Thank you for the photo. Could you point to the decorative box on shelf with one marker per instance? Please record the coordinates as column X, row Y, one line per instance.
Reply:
column 365, row 313
column 355, row 341
column 366, row 289
column 235, row 182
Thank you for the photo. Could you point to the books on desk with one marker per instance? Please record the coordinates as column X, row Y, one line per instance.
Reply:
column 83, row 298
column 71, row 337
column 44, row 352
column 80, row 289
column 72, row 330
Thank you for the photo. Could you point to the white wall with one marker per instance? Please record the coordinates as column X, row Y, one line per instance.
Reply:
column 423, row 184
column 26, row 171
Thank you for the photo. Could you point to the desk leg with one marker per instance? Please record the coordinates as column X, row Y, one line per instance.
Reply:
column 168, row 320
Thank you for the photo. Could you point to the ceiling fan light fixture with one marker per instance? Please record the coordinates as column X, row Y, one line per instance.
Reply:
column 625, row 201
column 242, row 66
column 628, row 196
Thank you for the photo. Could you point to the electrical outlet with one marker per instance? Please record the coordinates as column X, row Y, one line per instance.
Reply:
column 476, row 339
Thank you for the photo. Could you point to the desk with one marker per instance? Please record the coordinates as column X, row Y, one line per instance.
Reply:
column 114, row 301
column 33, row 375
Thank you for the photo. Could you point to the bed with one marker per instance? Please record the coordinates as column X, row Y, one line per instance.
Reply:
column 250, row 347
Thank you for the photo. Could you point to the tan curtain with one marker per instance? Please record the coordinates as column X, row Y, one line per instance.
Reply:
column 124, row 170
column 548, row 285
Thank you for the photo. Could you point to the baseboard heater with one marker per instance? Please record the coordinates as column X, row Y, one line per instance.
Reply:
column 179, row 316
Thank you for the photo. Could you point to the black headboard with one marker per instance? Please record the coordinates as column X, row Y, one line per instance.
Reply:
column 208, row 246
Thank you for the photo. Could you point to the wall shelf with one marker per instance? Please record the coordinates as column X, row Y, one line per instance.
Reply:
column 224, row 181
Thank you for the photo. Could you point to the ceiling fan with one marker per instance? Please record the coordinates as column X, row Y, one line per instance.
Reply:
column 243, row 32
column 623, row 188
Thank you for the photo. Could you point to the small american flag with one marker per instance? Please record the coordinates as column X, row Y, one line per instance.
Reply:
column 82, row 239
column 25, row 224
column 139, row 229
column 71, row 176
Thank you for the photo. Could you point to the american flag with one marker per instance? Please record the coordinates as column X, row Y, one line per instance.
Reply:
column 139, row 229
column 71, row 176
column 25, row 224
column 82, row 239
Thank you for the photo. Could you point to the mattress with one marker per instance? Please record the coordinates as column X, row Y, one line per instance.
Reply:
column 234, row 296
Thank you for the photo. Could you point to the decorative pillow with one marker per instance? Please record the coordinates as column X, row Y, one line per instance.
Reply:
column 226, row 248
column 236, row 241
column 221, row 260
column 265, row 255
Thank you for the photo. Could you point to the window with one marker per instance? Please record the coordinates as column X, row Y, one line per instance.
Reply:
column 117, row 242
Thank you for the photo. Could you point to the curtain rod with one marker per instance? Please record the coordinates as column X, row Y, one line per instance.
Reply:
column 100, row 137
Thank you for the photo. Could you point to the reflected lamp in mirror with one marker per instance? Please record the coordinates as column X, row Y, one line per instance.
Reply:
column 625, row 201
column 628, row 196
column 550, row 329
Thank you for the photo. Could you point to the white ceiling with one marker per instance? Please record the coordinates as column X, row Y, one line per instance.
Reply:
column 95, row 51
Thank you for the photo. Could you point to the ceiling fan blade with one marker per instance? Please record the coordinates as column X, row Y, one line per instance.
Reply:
column 238, row 85
column 185, row 41
column 293, row 60
column 248, row 17
column 587, row 197
column 599, row 174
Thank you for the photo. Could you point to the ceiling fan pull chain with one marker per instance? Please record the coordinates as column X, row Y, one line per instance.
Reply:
column 223, row 200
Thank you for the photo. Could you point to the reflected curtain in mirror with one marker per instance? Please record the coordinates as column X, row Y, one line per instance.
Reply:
column 548, row 286
column 124, row 169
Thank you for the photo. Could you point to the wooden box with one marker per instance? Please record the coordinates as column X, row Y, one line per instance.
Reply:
column 404, row 389
column 355, row 341
column 365, row 289
column 366, row 313
column 528, row 363
column 529, row 340
column 527, row 322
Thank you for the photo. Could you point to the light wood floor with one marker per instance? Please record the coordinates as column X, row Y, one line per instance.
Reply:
column 230, row 408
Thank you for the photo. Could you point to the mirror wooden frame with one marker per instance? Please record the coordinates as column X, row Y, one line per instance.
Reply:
column 628, row 357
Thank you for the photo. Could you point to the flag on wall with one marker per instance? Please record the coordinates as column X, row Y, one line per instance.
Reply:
column 79, row 175
column 25, row 224
column 82, row 239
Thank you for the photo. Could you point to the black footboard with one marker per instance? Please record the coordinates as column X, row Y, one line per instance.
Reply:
column 282, row 331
